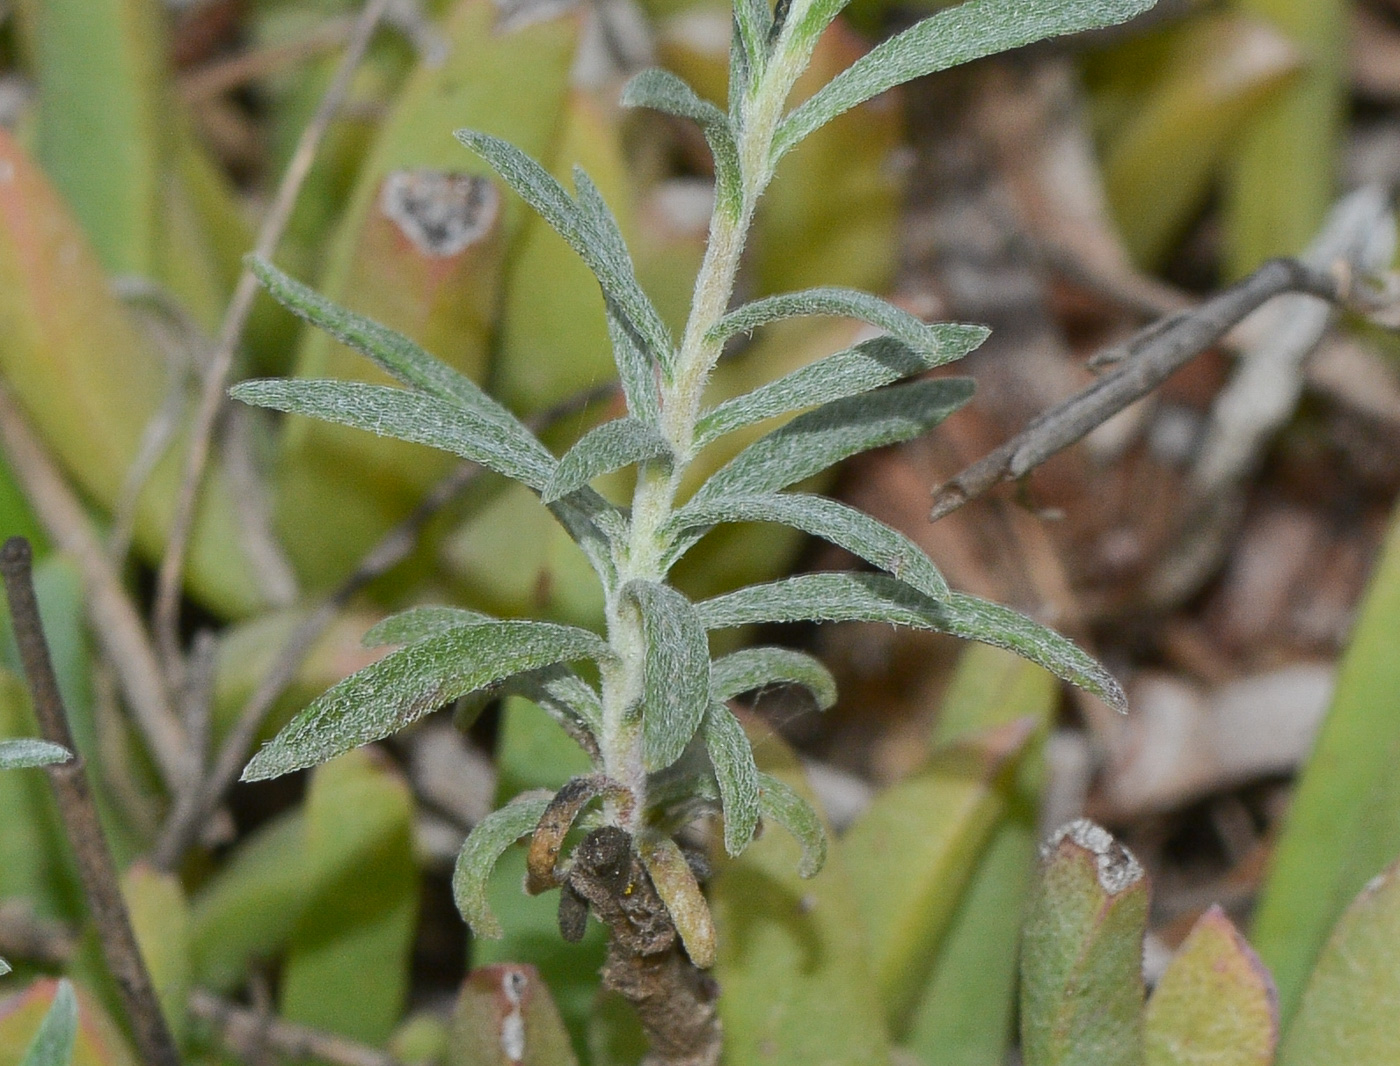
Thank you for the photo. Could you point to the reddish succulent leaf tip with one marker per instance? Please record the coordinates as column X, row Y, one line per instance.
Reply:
column 1118, row 869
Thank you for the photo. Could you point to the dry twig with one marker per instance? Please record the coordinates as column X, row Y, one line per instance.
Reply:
column 247, row 1033
column 172, row 567
column 75, row 804
column 1147, row 361
column 114, row 620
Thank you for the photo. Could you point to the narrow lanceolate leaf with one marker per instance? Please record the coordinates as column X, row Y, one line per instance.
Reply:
column 935, row 344
column 781, row 803
column 677, row 687
column 1215, row 1005
column 591, row 237
column 663, row 91
column 4, row 967
column 969, row 31
column 21, row 754
column 737, row 775
column 862, row 536
column 486, row 844
column 753, row 23
column 410, row 416
column 407, row 684
column 635, row 371
column 756, row 668
column 812, row 442
column 1348, row 1012
column 859, row 369
column 567, row 698
column 419, row 622
column 53, row 1043
column 396, row 354
column 603, row 449
column 676, row 885
column 1081, row 956
column 858, row 597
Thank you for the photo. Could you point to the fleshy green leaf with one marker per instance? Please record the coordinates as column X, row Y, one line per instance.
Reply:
column 22, row 754
column 1215, row 1005
column 732, row 758
column 53, row 1043
column 912, row 852
column 969, row 31
column 409, row 683
column 676, row 690
column 1349, row 1010
column 663, row 91
column 486, row 844
column 410, row 416
column 782, row 803
column 857, row 532
column 1081, row 960
column 160, row 918
column 858, row 597
column 506, row 1016
column 818, row 439
column 590, row 236
column 936, row 343
column 603, row 449
column 418, row 622
column 675, row 883
column 756, row 668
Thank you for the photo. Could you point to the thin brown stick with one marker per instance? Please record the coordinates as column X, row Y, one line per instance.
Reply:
column 247, row 1033
column 1147, row 360
column 197, row 803
column 70, row 785
column 172, row 566
column 219, row 77
column 111, row 615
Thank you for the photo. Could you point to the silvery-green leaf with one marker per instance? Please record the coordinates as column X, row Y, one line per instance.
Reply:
column 4, row 967
column 603, row 449
column 485, row 845
column 779, row 802
column 936, row 343
column 852, row 597
column 53, row 1043
column 24, row 753
column 736, row 773
column 563, row 694
column 419, row 622
column 753, row 24
column 389, row 349
column 585, row 232
column 594, row 524
column 411, row 416
column 635, row 372
column 676, row 689
column 405, row 685
column 969, row 31
column 756, row 668
column 844, row 526
column 818, row 439
column 663, row 91
column 740, row 68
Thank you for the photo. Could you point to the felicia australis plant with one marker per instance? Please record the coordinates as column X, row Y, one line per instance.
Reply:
column 663, row 742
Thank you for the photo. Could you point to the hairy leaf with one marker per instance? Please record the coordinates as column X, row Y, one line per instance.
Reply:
column 419, row 622
column 410, row 416
column 736, row 773
column 635, row 370
column 781, row 803
column 818, row 439
column 677, row 685
column 969, row 31
column 484, row 846
column 675, row 883
column 4, row 967
column 859, row 597
column 755, row 668
column 753, row 25
column 554, row 825
column 936, row 344
column 567, row 698
column 409, row 683
column 663, row 91
column 24, row 753
column 53, row 1043
column 844, row 526
column 602, row 450
column 588, row 234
